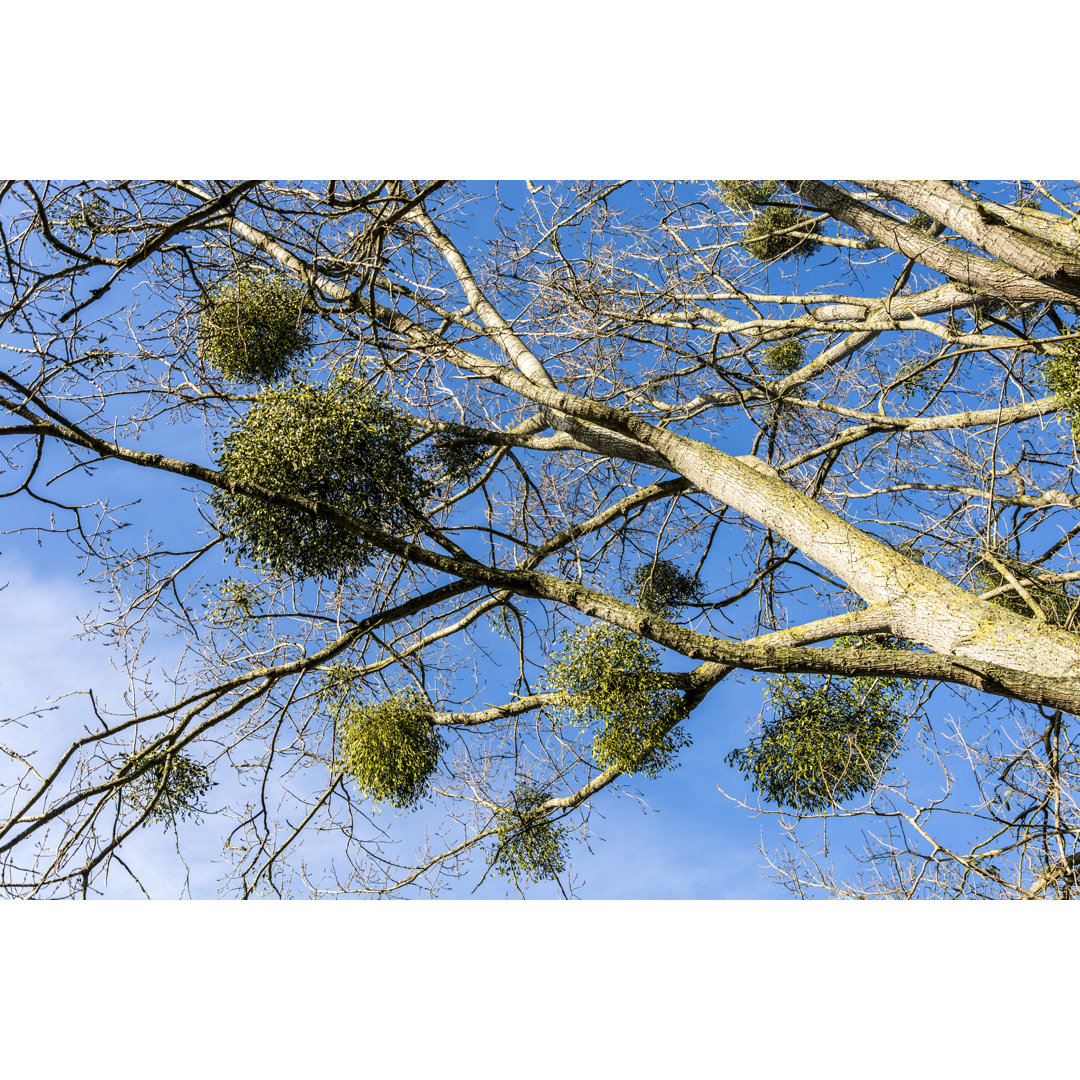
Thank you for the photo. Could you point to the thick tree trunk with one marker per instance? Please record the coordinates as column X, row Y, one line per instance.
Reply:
column 998, row 277
column 1006, row 236
column 926, row 607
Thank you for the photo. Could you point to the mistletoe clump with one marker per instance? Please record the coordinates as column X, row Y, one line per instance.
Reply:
column 663, row 588
column 785, row 358
column 746, row 194
column 829, row 740
column 767, row 237
column 235, row 604
column 171, row 789
column 390, row 749
column 253, row 328
column 342, row 446
column 339, row 682
column 1062, row 375
column 917, row 378
column 615, row 687
column 93, row 217
column 528, row 845
column 456, row 459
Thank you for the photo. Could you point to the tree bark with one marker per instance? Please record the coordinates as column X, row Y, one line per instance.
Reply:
column 993, row 276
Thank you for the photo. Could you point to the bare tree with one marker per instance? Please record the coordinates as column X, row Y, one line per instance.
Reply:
column 620, row 424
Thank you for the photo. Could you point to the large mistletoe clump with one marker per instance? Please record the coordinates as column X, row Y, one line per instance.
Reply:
column 342, row 446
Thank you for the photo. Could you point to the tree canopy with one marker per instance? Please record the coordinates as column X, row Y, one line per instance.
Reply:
column 466, row 502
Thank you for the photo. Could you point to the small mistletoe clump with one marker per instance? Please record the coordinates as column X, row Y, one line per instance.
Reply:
column 528, row 844
column 954, row 323
column 235, row 603
column 616, row 686
column 253, row 328
column 171, row 789
column 917, row 377
column 780, row 231
column 456, row 459
column 663, row 588
column 1062, row 375
column 746, row 194
column 785, row 358
column 342, row 446
column 390, row 749
column 339, row 682
column 829, row 740
column 93, row 217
